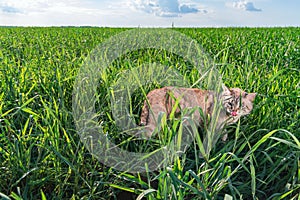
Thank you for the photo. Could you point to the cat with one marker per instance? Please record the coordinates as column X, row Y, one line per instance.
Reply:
column 235, row 103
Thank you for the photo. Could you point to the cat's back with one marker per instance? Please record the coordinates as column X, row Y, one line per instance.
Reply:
column 186, row 94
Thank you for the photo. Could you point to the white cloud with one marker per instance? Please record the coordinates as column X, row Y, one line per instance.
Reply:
column 9, row 9
column 24, row 6
column 51, row 12
column 28, row 7
column 245, row 5
column 165, row 8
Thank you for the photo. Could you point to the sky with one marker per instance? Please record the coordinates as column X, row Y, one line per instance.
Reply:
column 150, row 13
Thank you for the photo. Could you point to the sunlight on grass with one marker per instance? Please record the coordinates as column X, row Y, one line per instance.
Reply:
column 41, row 156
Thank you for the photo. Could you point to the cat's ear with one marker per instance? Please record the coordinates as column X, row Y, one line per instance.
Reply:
column 251, row 96
column 225, row 89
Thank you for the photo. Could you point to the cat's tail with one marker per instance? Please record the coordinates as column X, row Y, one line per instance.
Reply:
column 147, row 128
column 144, row 114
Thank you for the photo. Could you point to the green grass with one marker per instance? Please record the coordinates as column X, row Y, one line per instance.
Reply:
column 41, row 156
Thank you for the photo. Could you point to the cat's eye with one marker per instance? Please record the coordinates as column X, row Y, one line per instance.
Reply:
column 245, row 108
column 245, row 94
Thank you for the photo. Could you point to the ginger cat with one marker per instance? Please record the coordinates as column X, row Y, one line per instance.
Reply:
column 235, row 103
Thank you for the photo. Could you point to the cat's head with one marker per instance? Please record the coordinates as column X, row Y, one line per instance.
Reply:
column 237, row 102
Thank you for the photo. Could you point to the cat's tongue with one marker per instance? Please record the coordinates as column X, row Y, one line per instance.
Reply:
column 234, row 113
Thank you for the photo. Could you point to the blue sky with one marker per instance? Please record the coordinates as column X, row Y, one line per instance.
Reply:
column 150, row 13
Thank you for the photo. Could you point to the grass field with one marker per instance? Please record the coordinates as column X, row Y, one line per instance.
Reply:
column 41, row 156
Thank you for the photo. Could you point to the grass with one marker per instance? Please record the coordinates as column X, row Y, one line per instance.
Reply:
column 41, row 156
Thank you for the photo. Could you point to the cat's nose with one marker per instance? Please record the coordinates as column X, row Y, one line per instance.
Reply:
column 234, row 113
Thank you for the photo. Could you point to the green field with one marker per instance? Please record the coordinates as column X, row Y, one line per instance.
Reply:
column 41, row 156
